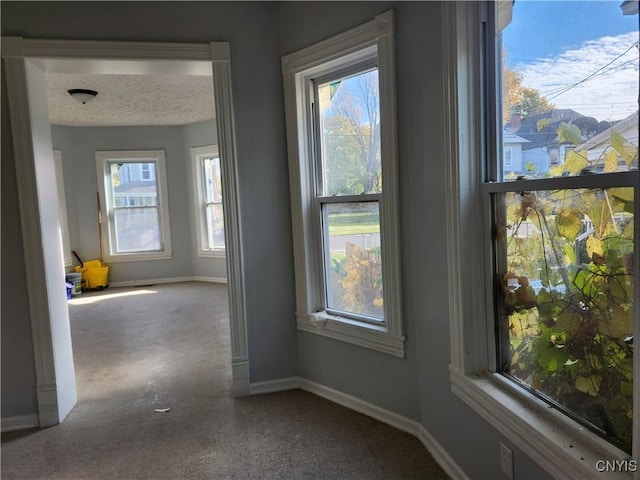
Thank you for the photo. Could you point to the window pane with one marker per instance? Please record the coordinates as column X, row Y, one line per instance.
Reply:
column 569, row 89
column 349, row 111
column 129, row 186
column 137, row 230
column 215, row 226
column 565, row 268
column 212, row 179
column 353, row 258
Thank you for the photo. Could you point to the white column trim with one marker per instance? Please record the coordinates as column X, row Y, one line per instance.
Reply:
column 29, row 207
column 232, row 221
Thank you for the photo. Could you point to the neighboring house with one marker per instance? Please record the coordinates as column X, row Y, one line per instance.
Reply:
column 597, row 145
column 512, row 153
column 543, row 149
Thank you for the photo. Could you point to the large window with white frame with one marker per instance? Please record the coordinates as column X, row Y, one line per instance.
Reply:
column 559, row 236
column 134, row 205
column 341, row 124
column 208, row 209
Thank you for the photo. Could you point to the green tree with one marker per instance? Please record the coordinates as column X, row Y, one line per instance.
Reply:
column 518, row 99
column 351, row 130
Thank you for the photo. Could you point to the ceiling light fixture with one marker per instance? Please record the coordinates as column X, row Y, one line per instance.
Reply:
column 82, row 95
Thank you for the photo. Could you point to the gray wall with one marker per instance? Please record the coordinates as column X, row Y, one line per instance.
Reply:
column 418, row 386
column 78, row 146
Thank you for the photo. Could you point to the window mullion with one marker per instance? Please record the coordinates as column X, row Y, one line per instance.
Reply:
column 364, row 198
column 618, row 179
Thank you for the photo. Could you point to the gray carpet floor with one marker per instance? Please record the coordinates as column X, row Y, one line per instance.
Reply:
column 167, row 346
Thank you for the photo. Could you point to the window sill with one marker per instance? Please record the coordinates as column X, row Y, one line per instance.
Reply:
column 366, row 335
column 138, row 257
column 563, row 447
column 212, row 253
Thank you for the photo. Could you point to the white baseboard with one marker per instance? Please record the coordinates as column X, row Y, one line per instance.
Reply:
column 275, row 386
column 407, row 425
column 152, row 281
column 209, row 279
column 359, row 405
column 19, row 422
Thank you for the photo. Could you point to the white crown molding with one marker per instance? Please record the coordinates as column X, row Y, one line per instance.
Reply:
column 84, row 49
column 358, row 38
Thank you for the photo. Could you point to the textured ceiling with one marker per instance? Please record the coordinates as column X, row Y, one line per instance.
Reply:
column 127, row 100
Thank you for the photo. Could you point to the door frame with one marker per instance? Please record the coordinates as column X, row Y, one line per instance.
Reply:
column 16, row 52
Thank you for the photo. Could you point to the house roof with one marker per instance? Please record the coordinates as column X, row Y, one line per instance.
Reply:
column 508, row 137
column 528, row 128
column 604, row 136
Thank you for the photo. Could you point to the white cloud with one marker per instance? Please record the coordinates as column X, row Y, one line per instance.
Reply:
column 611, row 94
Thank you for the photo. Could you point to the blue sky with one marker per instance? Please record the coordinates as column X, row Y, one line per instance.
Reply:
column 543, row 28
column 557, row 46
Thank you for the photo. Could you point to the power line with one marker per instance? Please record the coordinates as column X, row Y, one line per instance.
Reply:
column 604, row 72
column 566, row 89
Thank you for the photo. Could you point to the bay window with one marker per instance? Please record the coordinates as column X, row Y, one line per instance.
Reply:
column 545, row 351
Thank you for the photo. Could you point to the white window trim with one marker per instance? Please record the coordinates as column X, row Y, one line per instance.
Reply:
column 62, row 209
column 198, row 199
column 297, row 68
column 561, row 446
column 158, row 156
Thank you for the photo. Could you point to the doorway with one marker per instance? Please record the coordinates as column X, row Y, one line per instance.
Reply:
column 26, row 62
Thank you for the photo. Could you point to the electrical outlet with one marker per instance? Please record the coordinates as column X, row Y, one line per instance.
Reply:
column 506, row 461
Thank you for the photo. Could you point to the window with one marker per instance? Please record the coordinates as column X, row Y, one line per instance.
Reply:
column 549, row 362
column 507, row 156
column 341, row 125
column 146, row 171
column 135, row 214
column 208, row 201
